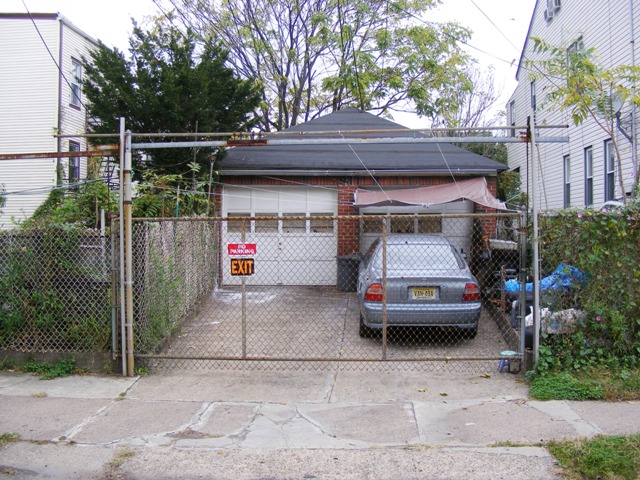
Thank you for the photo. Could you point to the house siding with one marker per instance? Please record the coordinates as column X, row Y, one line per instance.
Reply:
column 34, row 105
column 604, row 26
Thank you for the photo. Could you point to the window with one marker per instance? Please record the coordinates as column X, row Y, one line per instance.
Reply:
column 609, row 171
column 429, row 224
column 588, row 177
column 372, row 225
column 566, row 162
column 294, row 223
column 321, row 225
column 238, row 224
column 403, row 223
column 267, row 223
column 76, row 83
column 512, row 117
column 533, row 95
column 74, row 164
column 576, row 48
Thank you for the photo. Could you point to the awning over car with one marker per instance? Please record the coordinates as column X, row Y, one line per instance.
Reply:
column 474, row 189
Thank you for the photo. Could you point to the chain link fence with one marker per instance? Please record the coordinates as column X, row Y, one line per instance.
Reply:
column 175, row 268
column 55, row 291
column 313, row 291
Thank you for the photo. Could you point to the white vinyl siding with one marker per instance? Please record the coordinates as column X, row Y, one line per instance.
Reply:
column 35, row 105
column 604, row 26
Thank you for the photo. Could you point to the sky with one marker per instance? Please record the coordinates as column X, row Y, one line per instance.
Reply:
column 499, row 26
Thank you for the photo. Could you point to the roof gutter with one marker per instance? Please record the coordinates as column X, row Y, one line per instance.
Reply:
column 358, row 173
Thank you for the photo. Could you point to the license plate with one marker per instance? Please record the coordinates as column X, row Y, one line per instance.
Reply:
column 423, row 293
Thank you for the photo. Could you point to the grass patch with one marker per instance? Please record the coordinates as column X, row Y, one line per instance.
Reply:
column 61, row 368
column 594, row 385
column 565, row 386
column 615, row 457
column 7, row 438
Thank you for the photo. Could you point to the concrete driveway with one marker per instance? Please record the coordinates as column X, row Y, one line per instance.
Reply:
column 320, row 324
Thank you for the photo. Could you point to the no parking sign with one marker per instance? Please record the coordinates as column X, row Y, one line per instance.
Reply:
column 242, row 266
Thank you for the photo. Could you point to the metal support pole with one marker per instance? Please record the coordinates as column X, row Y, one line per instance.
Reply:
column 535, row 245
column 114, row 291
column 523, row 286
column 123, row 331
column 384, row 287
column 244, row 301
column 128, row 254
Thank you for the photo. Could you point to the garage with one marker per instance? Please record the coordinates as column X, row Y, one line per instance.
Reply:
column 296, row 241
column 419, row 219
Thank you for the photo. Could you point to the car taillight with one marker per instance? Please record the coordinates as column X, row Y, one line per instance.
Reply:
column 471, row 293
column 374, row 293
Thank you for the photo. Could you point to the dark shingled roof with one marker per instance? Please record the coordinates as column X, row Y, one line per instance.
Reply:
column 380, row 159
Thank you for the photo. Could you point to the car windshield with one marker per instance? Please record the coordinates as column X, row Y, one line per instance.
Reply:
column 422, row 257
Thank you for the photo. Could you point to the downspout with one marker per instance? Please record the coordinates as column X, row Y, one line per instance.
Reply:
column 59, row 123
column 634, row 139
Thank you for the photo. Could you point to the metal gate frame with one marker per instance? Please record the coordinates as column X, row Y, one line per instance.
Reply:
column 515, row 354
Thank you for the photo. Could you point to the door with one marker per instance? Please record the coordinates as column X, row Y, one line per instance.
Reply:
column 296, row 240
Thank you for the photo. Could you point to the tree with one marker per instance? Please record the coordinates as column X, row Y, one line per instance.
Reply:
column 474, row 103
column 584, row 88
column 165, row 87
column 317, row 56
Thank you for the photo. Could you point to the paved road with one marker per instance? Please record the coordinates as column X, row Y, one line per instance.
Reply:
column 290, row 425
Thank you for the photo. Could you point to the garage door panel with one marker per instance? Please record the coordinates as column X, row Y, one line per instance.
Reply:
column 295, row 251
column 304, row 272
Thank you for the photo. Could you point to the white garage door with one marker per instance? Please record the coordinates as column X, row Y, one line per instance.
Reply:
column 290, row 250
column 458, row 230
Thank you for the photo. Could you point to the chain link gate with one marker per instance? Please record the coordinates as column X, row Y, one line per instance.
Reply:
column 271, row 291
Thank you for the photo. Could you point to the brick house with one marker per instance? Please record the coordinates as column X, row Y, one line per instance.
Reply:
column 288, row 182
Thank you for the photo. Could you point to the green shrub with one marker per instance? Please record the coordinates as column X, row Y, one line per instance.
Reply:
column 606, row 247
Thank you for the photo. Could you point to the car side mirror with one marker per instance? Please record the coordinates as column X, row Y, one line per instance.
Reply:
column 464, row 255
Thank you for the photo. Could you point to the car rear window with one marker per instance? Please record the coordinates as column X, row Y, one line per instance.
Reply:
column 422, row 257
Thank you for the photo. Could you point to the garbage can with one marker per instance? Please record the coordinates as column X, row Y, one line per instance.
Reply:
column 348, row 272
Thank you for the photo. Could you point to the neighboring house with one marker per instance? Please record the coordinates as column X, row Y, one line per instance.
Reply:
column 346, row 179
column 41, row 57
column 584, row 172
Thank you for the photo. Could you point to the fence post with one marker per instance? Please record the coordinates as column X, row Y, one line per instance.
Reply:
column 523, row 286
column 535, row 244
column 128, row 255
column 123, row 331
column 114, row 290
column 384, row 286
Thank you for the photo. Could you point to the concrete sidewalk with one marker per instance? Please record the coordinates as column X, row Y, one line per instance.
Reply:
column 290, row 425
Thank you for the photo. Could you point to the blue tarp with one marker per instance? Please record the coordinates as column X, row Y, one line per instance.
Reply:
column 565, row 276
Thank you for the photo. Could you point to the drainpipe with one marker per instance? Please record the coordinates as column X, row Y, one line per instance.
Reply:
column 634, row 142
column 58, row 181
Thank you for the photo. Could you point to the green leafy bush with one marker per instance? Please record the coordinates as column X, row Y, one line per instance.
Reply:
column 606, row 247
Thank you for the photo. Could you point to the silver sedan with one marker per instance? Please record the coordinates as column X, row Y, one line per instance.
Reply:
column 428, row 283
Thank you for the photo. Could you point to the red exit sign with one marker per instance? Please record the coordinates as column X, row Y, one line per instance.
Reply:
column 241, row 249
